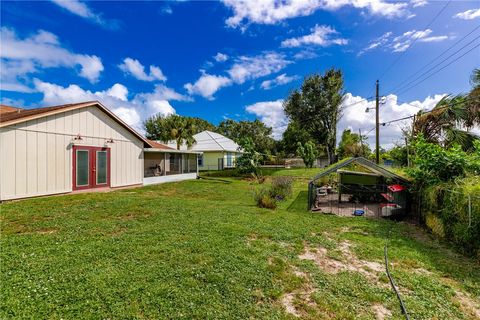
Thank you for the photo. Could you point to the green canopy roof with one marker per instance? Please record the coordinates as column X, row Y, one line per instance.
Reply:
column 367, row 164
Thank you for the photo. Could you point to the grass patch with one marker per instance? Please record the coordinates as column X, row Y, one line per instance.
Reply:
column 202, row 249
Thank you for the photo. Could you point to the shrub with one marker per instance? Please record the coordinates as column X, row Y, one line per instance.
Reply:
column 249, row 161
column 434, row 164
column 448, row 204
column 307, row 152
column 264, row 199
column 281, row 187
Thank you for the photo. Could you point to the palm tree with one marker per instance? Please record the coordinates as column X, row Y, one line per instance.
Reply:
column 171, row 127
column 451, row 119
column 473, row 100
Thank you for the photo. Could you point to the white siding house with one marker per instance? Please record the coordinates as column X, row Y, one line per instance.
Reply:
column 74, row 147
column 217, row 151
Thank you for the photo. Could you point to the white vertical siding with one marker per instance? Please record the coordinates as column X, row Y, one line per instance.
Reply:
column 36, row 156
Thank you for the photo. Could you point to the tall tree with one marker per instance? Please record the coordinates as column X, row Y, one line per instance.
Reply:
column 201, row 125
column 256, row 130
column 171, row 127
column 317, row 107
column 292, row 136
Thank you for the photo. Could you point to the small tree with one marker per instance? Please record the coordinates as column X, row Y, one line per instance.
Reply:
column 352, row 145
column 307, row 152
column 248, row 162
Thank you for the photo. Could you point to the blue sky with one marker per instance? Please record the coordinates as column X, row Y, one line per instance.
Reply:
column 233, row 59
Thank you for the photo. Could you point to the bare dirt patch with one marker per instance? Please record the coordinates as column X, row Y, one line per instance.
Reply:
column 304, row 293
column 46, row 231
column 467, row 304
column 381, row 312
column 42, row 231
column 287, row 302
column 319, row 255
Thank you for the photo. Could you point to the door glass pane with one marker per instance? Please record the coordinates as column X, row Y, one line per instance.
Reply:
column 101, row 167
column 82, row 168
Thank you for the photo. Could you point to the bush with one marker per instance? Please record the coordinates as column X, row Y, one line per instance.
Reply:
column 447, row 204
column 264, row 199
column 434, row 164
column 282, row 187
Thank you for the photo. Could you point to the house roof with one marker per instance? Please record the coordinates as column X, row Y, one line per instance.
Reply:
column 19, row 115
column 212, row 141
column 367, row 164
column 209, row 141
column 156, row 145
column 7, row 109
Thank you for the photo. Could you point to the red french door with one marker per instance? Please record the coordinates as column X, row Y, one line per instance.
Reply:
column 91, row 167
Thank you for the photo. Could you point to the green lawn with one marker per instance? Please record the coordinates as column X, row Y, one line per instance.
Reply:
column 201, row 249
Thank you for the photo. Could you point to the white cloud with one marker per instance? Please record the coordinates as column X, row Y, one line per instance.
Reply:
column 220, row 57
column 137, row 70
column 469, row 14
column 81, row 9
column 354, row 117
column 162, row 92
column 207, row 85
column 418, row 3
column 166, row 10
column 11, row 71
column 434, row 39
column 275, row 11
column 375, row 7
column 305, row 54
column 247, row 68
column 161, row 106
column 404, row 41
column 271, row 114
column 375, row 43
column 133, row 111
column 20, row 57
column 278, row 81
column 118, row 91
column 320, row 36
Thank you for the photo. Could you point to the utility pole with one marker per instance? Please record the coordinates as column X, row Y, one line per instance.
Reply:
column 377, row 124
column 406, row 147
column 361, row 141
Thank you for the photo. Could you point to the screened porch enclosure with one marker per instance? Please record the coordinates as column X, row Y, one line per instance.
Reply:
column 159, row 164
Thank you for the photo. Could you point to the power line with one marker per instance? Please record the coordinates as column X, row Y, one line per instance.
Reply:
column 437, row 71
column 429, row 111
column 422, row 113
column 355, row 103
column 414, row 40
column 436, row 58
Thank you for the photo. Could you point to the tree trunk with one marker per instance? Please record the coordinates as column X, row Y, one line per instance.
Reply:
column 329, row 155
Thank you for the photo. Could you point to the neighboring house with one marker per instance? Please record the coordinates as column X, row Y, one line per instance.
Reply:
column 81, row 146
column 218, row 152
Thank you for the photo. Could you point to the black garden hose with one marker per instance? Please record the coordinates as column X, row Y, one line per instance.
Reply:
column 392, row 282
column 214, row 179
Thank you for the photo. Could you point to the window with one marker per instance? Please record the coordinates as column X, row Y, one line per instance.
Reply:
column 200, row 160
column 229, row 159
